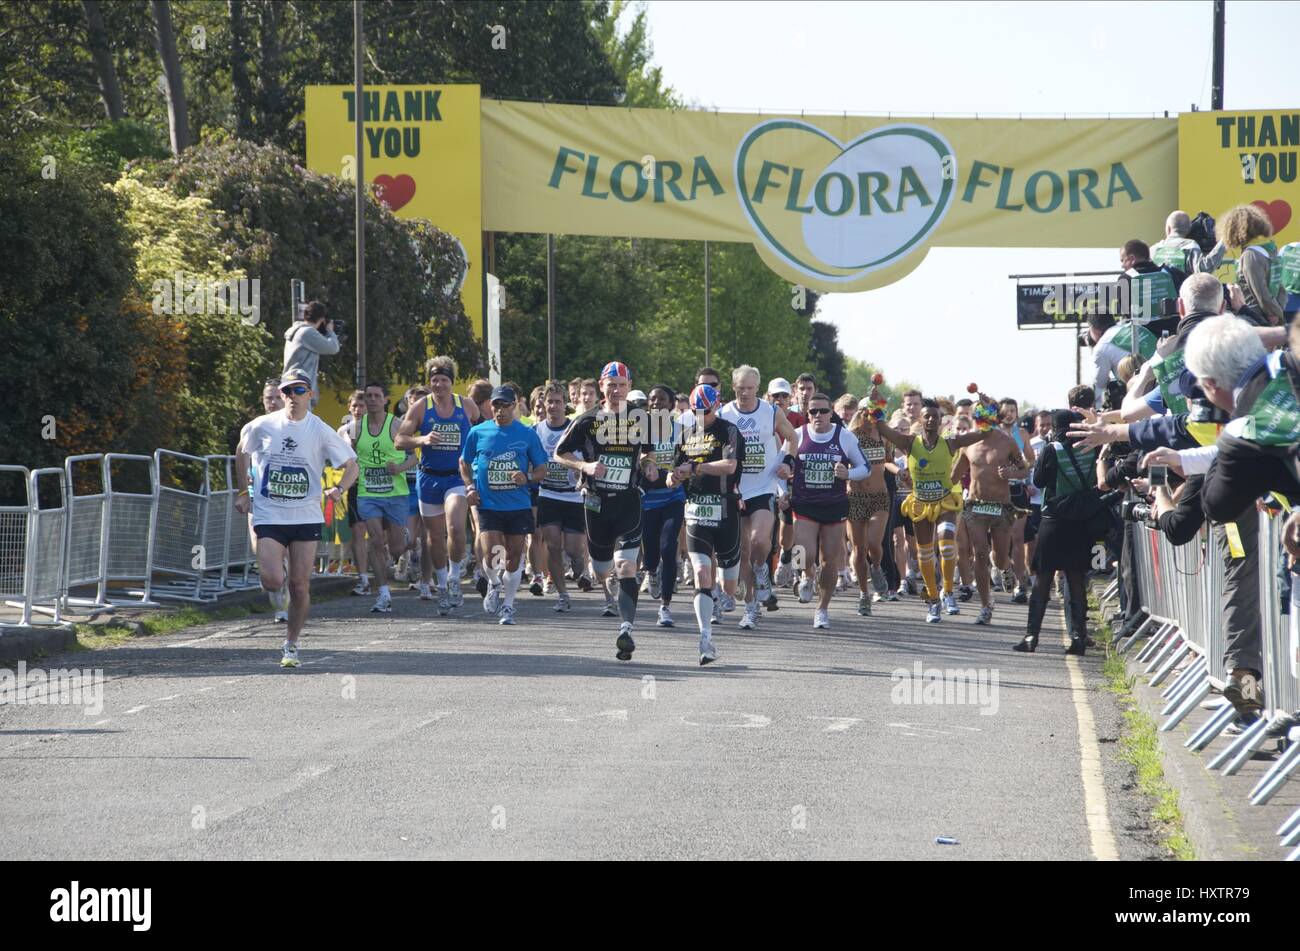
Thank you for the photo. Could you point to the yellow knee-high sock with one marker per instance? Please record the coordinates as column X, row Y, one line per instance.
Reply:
column 925, row 555
column 948, row 561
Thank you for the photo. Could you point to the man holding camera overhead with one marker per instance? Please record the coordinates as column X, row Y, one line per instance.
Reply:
column 307, row 340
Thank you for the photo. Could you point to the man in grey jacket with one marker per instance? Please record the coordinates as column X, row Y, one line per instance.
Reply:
column 306, row 340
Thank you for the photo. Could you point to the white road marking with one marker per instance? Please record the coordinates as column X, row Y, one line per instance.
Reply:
column 434, row 719
column 838, row 724
column 143, row 706
column 101, row 722
column 558, row 714
column 752, row 720
column 170, row 697
column 1100, row 836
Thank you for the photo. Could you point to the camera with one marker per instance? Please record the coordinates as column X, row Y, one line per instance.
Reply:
column 1134, row 511
column 1158, row 477
column 1201, row 410
column 340, row 326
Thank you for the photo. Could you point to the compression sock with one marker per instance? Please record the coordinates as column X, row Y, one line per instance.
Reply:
column 704, row 612
column 512, row 584
column 925, row 555
column 948, row 561
column 441, row 575
column 627, row 594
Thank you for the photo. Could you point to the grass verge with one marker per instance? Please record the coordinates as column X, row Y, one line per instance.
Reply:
column 1139, row 745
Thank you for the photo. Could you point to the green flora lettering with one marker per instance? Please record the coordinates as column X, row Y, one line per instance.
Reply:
column 1044, row 190
column 626, row 179
column 836, row 194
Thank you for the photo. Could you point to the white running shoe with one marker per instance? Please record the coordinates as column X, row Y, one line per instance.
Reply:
column 728, row 602
column 665, row 616
column 426, row 593
column 281, row 617
column 383, row 604
column 507, row 614
column 932, row 613
column 750, row 620
column 444, row 602
column 655, row 587
column 645, row 582
column 492, row 600
column 611, row 606
column 455, row 596
column 842, row 582
column 762, row 582
column 985, row 616
column 290, row 658
column 784, row 575
column 950, row 603
column 805, row 591
column 549, row 587
column 363, row 588
column 717, row 611
column 563, row 603
column 864, row 604
column 821, row 619
column 708, row 653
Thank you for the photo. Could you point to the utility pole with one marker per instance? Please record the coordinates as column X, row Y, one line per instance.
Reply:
column 550, row 307
column 708, row 342
column 1216, row 87
column 358, row 45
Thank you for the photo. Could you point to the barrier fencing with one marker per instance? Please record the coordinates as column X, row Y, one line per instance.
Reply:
column 119, row 530
column 1182, row 590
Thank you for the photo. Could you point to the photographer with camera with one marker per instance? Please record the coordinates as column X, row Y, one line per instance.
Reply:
column 1111, row 342
column 307, row 340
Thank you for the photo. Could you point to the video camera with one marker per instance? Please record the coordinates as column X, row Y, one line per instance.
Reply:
column 1135, row 511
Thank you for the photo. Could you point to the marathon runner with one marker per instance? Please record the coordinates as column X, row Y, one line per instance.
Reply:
column 869, row 503
column 560, row 519
column 934, row 501
column 988, row 514
column 764, row 463
column 272, row 401
column 442, row 421
column 780, row 395
column 826, row 456
column 600, row 444
column 1009, row 423
column 289, row 448
column 663, row 508
column 706, row 465
column 382, row 492
column 360, row 542
column 501, row 457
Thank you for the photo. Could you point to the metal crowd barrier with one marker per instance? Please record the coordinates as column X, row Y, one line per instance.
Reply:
column 180, row 526
column 42, row 547
column 87, row 530
column 1182, row 590
column 128, row 530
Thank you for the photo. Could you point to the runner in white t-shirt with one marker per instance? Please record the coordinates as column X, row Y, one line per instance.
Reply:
column 289, row 449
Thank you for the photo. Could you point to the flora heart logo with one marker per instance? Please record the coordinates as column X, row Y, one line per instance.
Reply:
column 837, row 211
column 1278, row 212
column 394, row 192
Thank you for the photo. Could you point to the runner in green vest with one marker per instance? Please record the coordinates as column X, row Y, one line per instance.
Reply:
column 382, row 489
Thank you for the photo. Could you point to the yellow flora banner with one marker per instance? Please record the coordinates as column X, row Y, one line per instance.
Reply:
column 422, row 159
column 1237, row 158
column 833, row 203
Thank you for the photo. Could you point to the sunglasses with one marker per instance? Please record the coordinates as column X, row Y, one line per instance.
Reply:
column 296, row 390
column 819, row 412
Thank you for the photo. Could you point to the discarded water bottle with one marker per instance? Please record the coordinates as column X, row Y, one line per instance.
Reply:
column 945, row 840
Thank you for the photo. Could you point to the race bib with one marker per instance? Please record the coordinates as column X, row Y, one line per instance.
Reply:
column 501, row 474
column 705, row 510
column 592, row 501
column 557, row 477
column 874, row 454
column 931, row 491
column 618, row 472
column 819, row 473
column 378, row 480
column 987, row 508
column 286, row 483
column 665, row 454
column 755, row 459
column 446, row 436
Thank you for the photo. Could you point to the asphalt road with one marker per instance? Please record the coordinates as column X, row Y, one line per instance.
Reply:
column 409, row 735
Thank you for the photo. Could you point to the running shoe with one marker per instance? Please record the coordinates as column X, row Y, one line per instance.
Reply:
column 455, row 595
column 805, row 591
column 549, row 587
column 864, row 604
column 932, row 613
column 383, row 604
column 750, row 620
column 665, row 616
column 708, row 653
column 950, row 604
column 507, row 615
column 535, row 589
column 821, row 619
column 1021, row 596
column 290, row 658
column 281, row 617
column 584, row 582
column 717, row 611
column 985, row 616
column 655, row 587
column 842, row 582
column 771, row 603
column 426, row 594
column 563, row 603
column 728, row 602
column 644, row 580
column 1008, row 579
column 891, row 595
column 965, row 593
column 611, row 608
column 492, row 600
column 362, row 589
column 784, row 575
column 625, row 644
column 444, row 602
column 481, row 585
column 762, row 582
column 910, row 583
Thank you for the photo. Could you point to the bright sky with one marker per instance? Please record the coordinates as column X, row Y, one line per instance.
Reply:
column 967, row 58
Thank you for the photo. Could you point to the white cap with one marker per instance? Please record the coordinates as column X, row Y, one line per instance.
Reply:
column 635, row 395
column 779, row 385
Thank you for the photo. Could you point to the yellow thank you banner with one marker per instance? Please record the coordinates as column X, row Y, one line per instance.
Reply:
column 833, row 203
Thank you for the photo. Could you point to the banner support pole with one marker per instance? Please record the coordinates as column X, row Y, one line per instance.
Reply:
column 550, row 307
column 708, row 342
column 358, row 44
column 1216, row 86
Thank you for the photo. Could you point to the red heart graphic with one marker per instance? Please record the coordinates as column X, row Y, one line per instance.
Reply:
column 396, row 192
column 1279, row 213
